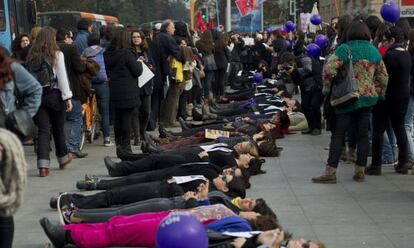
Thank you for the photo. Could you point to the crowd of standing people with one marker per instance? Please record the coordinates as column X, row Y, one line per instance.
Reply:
column 244, row 91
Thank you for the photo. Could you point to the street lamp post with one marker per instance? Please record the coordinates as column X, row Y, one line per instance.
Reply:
column 228, row 15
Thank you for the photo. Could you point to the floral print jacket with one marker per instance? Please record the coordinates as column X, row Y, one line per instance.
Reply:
column 369, row 70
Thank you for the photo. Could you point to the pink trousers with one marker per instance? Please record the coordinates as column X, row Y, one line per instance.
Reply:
column 134, row 230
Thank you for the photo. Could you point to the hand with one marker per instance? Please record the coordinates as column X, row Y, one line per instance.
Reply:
column 189, row 195
column 239, row 242
column 68, row 105
column 203, row 154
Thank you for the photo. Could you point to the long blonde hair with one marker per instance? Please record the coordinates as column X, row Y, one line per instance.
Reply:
column 44, row 48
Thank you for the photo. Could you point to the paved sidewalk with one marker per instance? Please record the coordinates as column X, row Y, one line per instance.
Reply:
column 378, row 213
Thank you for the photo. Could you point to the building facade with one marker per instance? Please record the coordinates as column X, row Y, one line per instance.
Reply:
column 329, row 8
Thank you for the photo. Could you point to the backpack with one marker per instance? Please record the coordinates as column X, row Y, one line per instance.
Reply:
column 43, row 73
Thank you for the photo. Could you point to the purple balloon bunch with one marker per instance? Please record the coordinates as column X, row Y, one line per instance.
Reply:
column 390, row 11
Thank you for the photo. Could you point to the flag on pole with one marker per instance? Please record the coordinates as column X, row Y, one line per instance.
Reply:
column 245, row 6
column 211, row 24
column 201, row 25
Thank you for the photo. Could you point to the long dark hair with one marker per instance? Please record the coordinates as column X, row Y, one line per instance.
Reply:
column 219, row 43
column 121, row 40
column 6, row 73
column 44, row 48
column 206, row 43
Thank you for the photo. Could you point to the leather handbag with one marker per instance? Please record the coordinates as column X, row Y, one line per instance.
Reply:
column 345, row 86
column 19, row 122
column 209, row 62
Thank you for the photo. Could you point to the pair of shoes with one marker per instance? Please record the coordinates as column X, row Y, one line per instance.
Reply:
column 359, row 175
column 328, row 176
column 111, row 167
column 63, row 165
column 90, row 183
column 316, row 132
column 307, row 131
column 79, row 154
column 55, row 233
column 183, row 124
column 108, row 143
column 43, row 172
column 401, row 169
column 148, row 147
column 373, row 170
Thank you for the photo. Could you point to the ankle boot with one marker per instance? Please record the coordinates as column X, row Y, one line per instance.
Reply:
column 328, row 176
column 359, row 175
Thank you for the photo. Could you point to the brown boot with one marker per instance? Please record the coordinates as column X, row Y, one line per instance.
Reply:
column 328, row 176
column 359, row 175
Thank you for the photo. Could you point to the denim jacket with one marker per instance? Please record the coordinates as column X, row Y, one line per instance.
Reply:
column 28, row 90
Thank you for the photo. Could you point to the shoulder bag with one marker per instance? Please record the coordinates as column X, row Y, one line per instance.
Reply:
column 345, row 86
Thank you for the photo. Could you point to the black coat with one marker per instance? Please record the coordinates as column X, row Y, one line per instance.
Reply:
column 74, row 67
column 148, row 87
column 222, row 58
column 163, row 46
column 123, row 71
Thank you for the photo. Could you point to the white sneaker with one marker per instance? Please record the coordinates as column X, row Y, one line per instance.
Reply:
column 108, row 143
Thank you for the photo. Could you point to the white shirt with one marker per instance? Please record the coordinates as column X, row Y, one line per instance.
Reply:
column 62, row 76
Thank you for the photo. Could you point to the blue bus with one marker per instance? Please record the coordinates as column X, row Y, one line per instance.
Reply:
column 16, row 17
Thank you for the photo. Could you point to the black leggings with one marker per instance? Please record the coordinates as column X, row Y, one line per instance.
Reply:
column 122, row 127
column 149, row 163
column 127, row 194
column 6, row 232
column 151, row 205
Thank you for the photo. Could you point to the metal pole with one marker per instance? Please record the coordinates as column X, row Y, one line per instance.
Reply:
column 262, row 21
column 228, row 15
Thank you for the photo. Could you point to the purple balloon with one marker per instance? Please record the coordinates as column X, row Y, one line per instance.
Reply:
column 321, row 40
column 316, row 19
column 390, row 12
column 290, row 26
column 288, row 44
column 270, row 30
column 181, row 231
column 258, row 78
column 313, row 50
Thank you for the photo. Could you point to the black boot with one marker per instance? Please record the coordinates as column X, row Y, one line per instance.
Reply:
column 111, row 166
column 90, row 183
column 183, row 124
column 164, row 133
column 56, row 234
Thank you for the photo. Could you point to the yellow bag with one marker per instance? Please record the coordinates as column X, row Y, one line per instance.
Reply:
column 176, row 68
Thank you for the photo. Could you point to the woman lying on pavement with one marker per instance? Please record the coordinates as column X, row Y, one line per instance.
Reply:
column 235, row 129
column 140, row 229
column 205, row 169
column 176, row 186
column 276, row 238
column 188, row 200
column 218, row 154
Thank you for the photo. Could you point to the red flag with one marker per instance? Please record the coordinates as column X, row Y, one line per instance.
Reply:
column 211, row 23
column 201, row 25
column 245, row 6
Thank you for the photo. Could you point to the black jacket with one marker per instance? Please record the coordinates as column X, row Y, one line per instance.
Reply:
column 161, row 47
column 123, row 72
column 74, row 66
column 148, row 87
column 222, row 58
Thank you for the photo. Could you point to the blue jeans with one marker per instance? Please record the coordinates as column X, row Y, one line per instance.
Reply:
column 408, row 124
column 102, row 97
column 208, row 80
column 74, row 120
column 388, row 148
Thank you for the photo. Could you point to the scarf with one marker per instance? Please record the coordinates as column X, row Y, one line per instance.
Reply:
column 12, row 173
